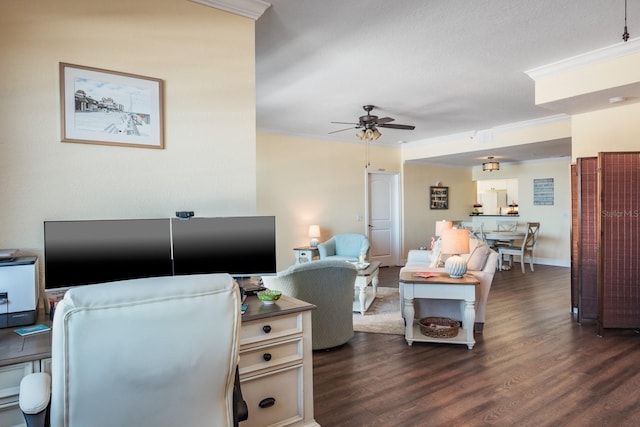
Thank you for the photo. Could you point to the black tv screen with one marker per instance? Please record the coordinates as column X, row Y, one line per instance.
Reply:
column 240, row 246
column 95, row 251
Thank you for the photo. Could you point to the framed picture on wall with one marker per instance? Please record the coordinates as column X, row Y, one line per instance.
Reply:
column 439, row 197
column 110, row 107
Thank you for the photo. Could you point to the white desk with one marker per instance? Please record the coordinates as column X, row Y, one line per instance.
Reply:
column 440, row 286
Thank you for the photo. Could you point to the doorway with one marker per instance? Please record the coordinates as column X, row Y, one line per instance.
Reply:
column 383, row 216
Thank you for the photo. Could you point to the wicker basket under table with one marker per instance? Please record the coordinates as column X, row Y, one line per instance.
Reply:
column 439, row 327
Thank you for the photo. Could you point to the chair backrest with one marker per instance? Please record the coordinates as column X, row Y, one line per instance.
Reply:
column 475, row 228
column 350, row 245
column 146, row 352
column 531, row 237
column 506, row 225
column 329, row 285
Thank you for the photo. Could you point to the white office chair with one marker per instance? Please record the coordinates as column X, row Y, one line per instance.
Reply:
column 147, row 352
column 524, row 250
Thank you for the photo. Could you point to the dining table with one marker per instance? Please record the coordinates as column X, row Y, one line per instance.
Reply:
column 494, row 236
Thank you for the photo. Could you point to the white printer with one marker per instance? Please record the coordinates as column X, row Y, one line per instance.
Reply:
column 18, row 291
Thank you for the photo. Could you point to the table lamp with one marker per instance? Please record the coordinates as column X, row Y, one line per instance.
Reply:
column 455, row 242
column 443, row 225
column 440, row 227
column 314, row 233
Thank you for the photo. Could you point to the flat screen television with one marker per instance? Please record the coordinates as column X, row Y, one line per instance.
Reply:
column 240, row 246
column 94, row 251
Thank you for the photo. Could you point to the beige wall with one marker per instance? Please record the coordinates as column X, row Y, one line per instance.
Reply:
column 419, row 219
column 309, row 181
column 613, row 129
column 554, row 244
column 206, row 59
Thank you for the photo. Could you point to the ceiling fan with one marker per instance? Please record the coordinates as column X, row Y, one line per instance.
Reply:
column 369, row 124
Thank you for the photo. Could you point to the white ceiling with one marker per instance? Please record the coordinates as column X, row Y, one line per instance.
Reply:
column 445, row 66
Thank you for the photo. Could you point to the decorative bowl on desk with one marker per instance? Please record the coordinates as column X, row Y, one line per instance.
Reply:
column 269, row 296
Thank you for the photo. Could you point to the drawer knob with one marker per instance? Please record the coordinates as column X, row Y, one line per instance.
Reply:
column 267, row 402
column 266, row 357
column 266, row 329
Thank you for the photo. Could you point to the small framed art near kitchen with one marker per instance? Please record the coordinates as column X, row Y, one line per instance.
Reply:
column 439, row 197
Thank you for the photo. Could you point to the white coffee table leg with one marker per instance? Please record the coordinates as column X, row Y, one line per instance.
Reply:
column 374, row 282
column 409, row 313
column 363, row 297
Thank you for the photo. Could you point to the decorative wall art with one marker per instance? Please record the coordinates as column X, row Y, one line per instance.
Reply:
column 543, row 192
column 110, row 108
column 439, row 197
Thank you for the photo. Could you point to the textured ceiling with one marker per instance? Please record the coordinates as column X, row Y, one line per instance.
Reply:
column 446, row 66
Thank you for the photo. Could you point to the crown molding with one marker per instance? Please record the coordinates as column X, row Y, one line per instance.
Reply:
column 595, row 56
column 248, row 8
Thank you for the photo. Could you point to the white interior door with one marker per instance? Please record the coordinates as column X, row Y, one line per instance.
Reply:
column 383, row 216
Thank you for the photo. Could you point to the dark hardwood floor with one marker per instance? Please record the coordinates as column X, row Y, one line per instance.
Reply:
column 533, row 366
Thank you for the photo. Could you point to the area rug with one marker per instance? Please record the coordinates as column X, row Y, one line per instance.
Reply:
column 383, row 317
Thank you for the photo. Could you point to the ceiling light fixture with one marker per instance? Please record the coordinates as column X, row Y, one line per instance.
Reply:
column 490, row 165
column 369, row 134
column 625, row 35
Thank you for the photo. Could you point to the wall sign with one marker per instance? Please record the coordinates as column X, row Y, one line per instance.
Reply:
column 543, row 192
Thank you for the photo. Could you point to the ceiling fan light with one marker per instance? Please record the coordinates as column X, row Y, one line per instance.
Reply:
column 376, row 134
column 360, row 134
column 368, row 135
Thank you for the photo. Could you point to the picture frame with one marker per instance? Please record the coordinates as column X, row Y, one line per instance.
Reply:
column 439, row 197
column 110, row 107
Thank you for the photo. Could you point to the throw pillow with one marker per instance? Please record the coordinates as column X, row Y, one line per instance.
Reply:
column 435, row 254
column 478, row 257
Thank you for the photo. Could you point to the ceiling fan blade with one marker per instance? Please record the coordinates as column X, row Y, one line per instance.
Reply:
column 346, row 123
column 342, row 130
column 385, row 120
column 394, row 126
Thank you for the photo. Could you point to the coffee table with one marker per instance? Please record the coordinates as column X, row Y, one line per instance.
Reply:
column 440, row 286
column 364, row 296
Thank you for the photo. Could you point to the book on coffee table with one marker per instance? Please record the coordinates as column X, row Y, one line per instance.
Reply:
column 425, row 274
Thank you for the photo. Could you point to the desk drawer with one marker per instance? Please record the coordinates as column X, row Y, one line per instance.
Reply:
column 271, row 328
column 10, row 377
column 271, row 356
column 274, row 398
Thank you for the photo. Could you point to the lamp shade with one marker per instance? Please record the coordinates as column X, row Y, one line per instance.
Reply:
column 443, row 225
column 314, row 233
column 455, row 241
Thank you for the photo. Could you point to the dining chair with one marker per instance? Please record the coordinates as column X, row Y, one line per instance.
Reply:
column 524, row 250
column 505, row 226
column 475, row 228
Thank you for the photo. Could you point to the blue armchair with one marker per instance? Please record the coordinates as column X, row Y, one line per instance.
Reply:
column 346, row 246
column 330, row 286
